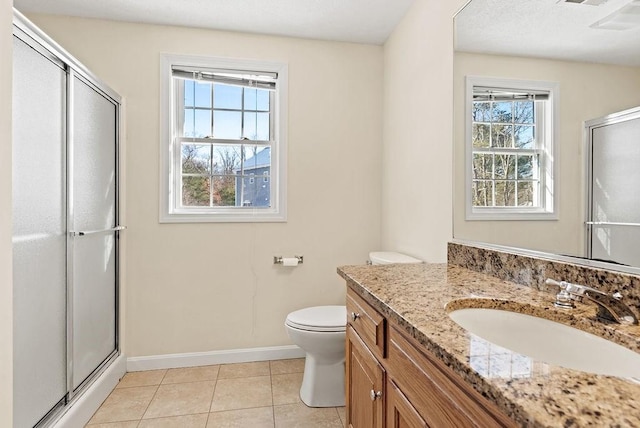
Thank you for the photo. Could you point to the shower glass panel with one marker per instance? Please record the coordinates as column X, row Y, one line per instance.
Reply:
column 39, row 238
column 615, row 199
column 92, row 210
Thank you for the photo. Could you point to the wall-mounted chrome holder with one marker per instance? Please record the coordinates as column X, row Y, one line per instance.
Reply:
column 277, row 260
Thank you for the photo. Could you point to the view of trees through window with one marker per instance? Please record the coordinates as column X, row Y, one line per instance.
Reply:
column 225, row 141
column 506, row 156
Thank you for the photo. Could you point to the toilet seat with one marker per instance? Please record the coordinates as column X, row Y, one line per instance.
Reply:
column 319, row 318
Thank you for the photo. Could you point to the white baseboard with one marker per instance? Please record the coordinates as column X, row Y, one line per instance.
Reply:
column 85, row 404
column 168, row 361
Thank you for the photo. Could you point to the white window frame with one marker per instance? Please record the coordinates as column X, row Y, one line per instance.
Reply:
column 549, row 182
column 170, row 212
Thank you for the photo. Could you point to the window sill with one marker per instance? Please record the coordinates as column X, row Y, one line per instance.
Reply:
column 249, row 216
column 511, row 215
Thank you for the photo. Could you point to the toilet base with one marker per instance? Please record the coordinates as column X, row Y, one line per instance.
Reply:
column 323, row 384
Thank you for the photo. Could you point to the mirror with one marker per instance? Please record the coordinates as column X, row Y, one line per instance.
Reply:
column 593, row 52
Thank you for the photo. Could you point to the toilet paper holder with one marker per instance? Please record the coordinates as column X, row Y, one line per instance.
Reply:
column 278, row 260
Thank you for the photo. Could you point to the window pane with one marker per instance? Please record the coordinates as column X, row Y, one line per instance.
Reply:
column 526, row 167
column 524, row 137
column 482, row 166
column 203, row 94
column 188, row 92
column 505, row 166
column 202, row 125
column 224, row 191
column 257, row 159
column 481, row 135
column 255, row 191
column 195, row 191
column 250, row 99
column 263, row 100
column 501, row 111
column 227, row 96
column 501, row 135
column 196, row 159
column 523, row 112
column 526, row 192
column 226, row 159
column 256, row 126
column 188, row 130
column 505, row 193
column 482, row 192
column 481, row 111
column 227, row 124
column 263, row 126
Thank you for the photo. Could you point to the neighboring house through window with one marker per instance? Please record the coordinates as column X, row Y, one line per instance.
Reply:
column 224, row 121
column 510, row 149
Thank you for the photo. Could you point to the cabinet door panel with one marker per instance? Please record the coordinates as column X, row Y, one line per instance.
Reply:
column 365, row 380
column 400, row 412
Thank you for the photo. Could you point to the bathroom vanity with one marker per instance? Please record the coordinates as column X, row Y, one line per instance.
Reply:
column 410, row 365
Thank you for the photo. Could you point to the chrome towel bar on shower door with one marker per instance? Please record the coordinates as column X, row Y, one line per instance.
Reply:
column 93, row 232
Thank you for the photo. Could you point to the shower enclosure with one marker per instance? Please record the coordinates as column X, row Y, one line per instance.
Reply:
column 65, row 226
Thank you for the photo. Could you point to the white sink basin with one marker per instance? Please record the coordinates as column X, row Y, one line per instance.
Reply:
column 549, row 341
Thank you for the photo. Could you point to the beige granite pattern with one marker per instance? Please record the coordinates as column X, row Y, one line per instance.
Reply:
column 533, row 272
column 533, row 393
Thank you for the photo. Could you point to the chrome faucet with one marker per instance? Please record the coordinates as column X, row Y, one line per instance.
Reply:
column 610, row 306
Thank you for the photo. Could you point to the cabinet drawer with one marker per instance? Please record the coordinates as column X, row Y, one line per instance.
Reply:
column 439, row 395
column 367, row 322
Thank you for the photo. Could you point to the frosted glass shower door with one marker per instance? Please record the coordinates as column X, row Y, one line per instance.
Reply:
column 615, row 199
column 39, row 234
column 92, row 212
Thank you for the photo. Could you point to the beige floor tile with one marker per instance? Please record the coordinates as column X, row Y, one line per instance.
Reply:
column 301, row 416
column 191, row 374
column 125, row 404
column 259, row 417
column 342, row 412
column 286, row 388
column 242, row 393
column 229, row 371
column 287, row 366
column 146, row 378
column 181, row 399
column 129, row 424
column 188, row 421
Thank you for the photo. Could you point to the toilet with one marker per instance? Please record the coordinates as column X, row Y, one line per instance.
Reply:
column 320, row 331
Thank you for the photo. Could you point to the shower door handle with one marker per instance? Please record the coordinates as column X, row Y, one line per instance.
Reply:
column 94, row 232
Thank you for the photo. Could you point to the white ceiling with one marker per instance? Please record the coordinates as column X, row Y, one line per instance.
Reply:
column 546, row 28
column 360, row 21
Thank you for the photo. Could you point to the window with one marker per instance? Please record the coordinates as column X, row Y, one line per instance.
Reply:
column 224, row 122
column 510, row 149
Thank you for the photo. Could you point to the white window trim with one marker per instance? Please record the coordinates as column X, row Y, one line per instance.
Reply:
column 550, row 183
column 168, row 212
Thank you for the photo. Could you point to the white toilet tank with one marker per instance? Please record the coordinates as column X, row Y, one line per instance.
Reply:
column 387, row 257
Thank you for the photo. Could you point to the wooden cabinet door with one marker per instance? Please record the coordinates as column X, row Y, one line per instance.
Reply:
column 400, row 412
column 365, row 382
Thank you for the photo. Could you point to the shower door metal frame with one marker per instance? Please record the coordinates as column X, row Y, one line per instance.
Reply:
column 26, row 31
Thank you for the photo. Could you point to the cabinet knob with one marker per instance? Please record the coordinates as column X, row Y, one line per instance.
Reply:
column 355, row 316
column 375, row 394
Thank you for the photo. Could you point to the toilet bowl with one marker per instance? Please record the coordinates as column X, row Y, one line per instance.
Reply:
column 320, row 332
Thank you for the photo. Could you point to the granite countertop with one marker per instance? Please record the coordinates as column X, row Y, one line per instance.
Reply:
column 531, row 392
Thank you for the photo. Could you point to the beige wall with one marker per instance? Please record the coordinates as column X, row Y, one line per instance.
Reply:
column 6, row 284
column 417, row 182
column 203, row 287
column 587, row 91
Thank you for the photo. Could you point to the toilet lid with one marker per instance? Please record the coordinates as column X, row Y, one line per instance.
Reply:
column 319, row 318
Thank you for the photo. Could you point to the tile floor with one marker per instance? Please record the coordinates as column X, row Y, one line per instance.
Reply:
column 261, row 394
